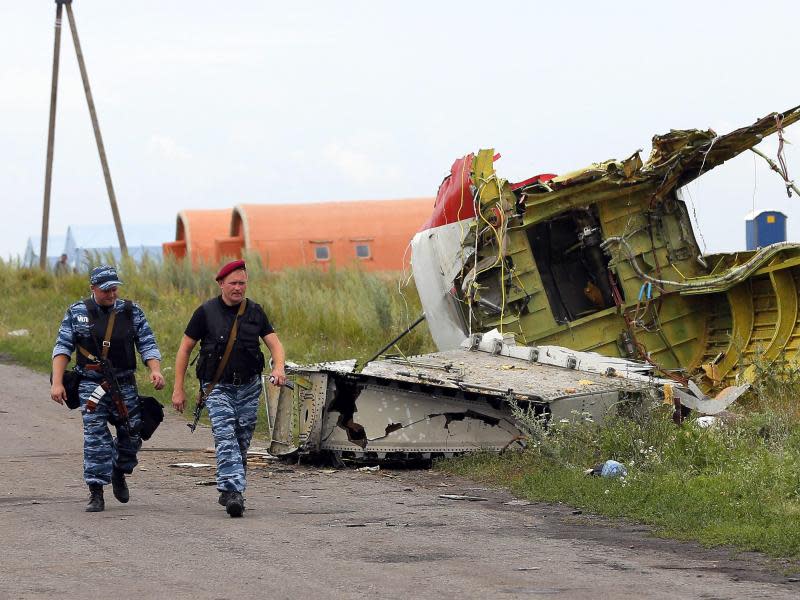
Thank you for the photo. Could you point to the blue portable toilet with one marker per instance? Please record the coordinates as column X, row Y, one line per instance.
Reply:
column 765, row 227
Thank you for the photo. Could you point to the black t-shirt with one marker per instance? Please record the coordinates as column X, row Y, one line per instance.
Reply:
column 197, row 328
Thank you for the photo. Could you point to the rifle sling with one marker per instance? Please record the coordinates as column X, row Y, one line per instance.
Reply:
column 107, row 337
column 106, row 340
column 228, row 348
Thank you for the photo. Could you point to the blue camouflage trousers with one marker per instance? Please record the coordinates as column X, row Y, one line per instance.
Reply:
column 101, row 452
column 233, row 412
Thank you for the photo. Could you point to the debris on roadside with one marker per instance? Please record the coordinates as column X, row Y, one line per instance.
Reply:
column 461, row 497
column 438, row 412
column 374, row 469
column 610, row 469
column 190, row 465
column 706, row 422
column 261, row 452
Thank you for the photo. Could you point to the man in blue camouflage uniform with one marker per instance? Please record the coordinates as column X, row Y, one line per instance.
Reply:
column 233, row 402
column 106, row 459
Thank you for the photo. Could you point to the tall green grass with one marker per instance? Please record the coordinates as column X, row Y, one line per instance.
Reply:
column 339, row 314
column 735, row 483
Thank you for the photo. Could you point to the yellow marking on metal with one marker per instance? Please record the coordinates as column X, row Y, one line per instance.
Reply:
column 778, row 266
column 743, row 318
column 786, row 294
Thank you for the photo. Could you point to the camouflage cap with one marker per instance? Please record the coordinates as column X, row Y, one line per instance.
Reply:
column 104, row 277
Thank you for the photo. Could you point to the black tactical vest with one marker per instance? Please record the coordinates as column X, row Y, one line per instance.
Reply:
column 246, row 358
column 122, row 353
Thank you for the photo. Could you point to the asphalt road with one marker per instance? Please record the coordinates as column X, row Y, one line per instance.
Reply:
column 310, row 532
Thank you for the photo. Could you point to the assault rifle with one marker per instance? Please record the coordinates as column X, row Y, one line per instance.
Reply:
column 111, row 385
column 201, row 402
column 198, row 409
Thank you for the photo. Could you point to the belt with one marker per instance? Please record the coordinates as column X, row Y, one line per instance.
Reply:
column 127, row 379
column 121, row 379
column 238, row 378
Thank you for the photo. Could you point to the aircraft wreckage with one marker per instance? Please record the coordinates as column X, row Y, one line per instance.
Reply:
column 447, row 402
column 560, row 294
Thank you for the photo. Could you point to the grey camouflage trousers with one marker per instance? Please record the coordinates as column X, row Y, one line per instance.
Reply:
column 233, row 411
column 101, row 452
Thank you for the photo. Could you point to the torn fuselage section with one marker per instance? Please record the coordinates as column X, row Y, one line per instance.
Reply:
column 605, row 259
column 449, row 402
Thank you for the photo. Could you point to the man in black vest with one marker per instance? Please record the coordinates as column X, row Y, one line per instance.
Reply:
column 84, row 330
column 233, row 402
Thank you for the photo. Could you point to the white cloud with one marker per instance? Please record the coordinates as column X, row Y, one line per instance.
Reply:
column 164, row 146
column 358, row 160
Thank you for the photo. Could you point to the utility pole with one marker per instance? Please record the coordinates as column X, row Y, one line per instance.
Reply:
column 51, row 133
column 112, row 198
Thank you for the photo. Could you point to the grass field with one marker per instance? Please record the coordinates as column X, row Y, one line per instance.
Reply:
column 318, row 316
column 736, row 484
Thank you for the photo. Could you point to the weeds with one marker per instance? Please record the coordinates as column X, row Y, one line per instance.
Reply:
column 343, row 313
column 735, row 483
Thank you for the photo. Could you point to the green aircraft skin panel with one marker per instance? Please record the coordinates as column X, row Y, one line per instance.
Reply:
column 605, row 259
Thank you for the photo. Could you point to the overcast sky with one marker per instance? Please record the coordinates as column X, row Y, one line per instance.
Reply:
column 210, row 104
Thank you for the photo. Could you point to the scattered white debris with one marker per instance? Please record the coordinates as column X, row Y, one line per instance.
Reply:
column 262, row 452
column 19, row 333
column 460, row 497
column 189, row 465
column 517, row 503
column 706, row 422
column 609, row 468
column 374, row 469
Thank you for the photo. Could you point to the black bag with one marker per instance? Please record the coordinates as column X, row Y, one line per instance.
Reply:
column 152, row 415
column 71, row 382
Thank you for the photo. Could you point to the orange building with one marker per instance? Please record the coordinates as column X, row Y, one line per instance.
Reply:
column 374, row 233
column 197, row 232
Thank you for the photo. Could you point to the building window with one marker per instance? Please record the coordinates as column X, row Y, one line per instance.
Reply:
column 321, row 253
column 362, row 251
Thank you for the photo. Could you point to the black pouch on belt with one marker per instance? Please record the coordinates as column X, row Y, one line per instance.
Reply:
column 71, row 382
column 152, row 415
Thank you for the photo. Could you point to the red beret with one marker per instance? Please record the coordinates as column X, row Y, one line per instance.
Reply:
column 230, row 268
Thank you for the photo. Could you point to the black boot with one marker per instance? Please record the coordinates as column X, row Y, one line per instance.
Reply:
column 96, row 502
column 235, row 504
column 119, row 486
column 224, row 495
